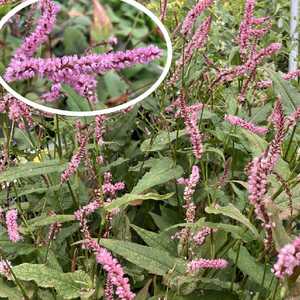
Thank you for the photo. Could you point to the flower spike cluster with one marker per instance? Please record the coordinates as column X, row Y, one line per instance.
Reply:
column 40, row 35
column 115, row 274
column 197, row 42
column 200, row 236
column 190, row 114
column 251, row 30
column 190, row 185
column 78, row 72
column 18, row 112
column 193, row 14
column 236, row 121
column 288, row 259
column 5, row 268
column 12, row 225
column 262, row 166
column 77, row 157
column 201, row 263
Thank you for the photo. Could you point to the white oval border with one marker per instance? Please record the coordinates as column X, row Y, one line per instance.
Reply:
column 132, row 102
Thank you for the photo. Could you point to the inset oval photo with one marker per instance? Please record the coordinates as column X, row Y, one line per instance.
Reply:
column 84, row 57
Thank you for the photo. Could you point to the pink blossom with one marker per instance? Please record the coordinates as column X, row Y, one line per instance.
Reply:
column 197, row 42
column 110, row 188
column 234, row 120
column 79, row 72
column 115, row 273
column 54, row 228
column 5, row 268
column 53, row 94
column 12, row 225
column 294, row 117
column 264, row 84
column 193, row 14
column 200, row 236
column 111, row 265
column 288, row 259
column 247, row 32
column 189, row 190
column 291, row 75
column 18, row 111
column 245, row 26
column 100, row 128
column 75, row 160
column 202, row 263
column 40, row 35
column 85, row 211
column 190, row 117
column 257, row 58
column 262, row 166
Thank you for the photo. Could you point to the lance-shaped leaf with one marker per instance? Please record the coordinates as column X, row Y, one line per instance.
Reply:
column 46, row 220
column 162, row 171
column 161, row 140
column 67, row 285
column 32, row 169
column 126, row 199
column 248, row 265
column 232, row 212
column 153, row 260
column 6, row 291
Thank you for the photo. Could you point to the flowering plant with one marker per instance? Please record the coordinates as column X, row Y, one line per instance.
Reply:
column 192, row 194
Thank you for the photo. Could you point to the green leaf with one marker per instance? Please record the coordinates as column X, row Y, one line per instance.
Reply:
column 153, row 260
column 162, row 171
column 29, row 189
column 232, row 212
column 75, row 101
column 279, row 233
column 126, row 199
column 143, row 294
column 156, row 240
column 20, row 248
column 6, row 291
column 32, row 169
column 161, row 140
column 236, row 231
column 257, row 145
column 290, row 97
column 114, row 84
column 74, row 41
column 248, row 265
column 46, row 220
column 67, row 285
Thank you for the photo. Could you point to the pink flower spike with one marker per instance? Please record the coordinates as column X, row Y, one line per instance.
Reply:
column 264, row 84
column 40, row 35
column 291, row 75
column 294, row 117
column 100, row 128
column 236, row 121
column 12, row 225
column 5, row 267
column 201, row 263
column 200, row 236
column 115, row 273
column 193, row 14
column 75, row 160
column 288, row 259
column 190, row 185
